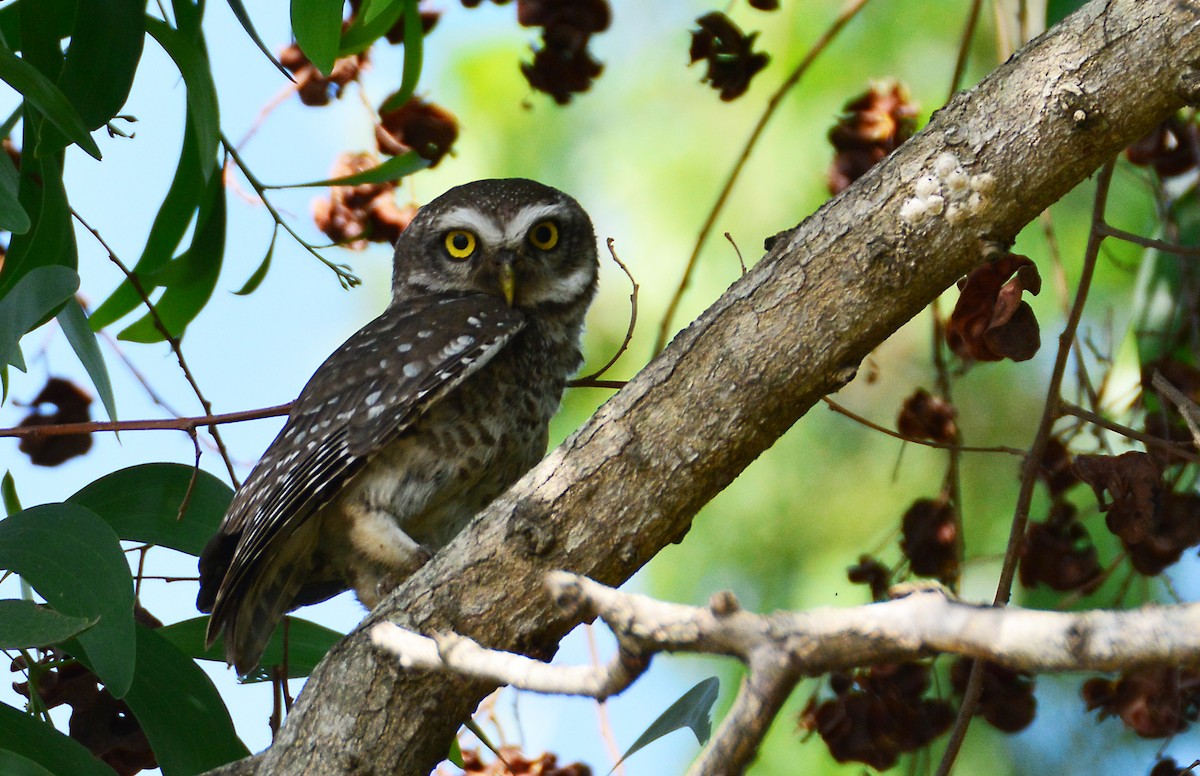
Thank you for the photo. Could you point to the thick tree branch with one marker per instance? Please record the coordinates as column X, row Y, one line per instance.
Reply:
column 782, row 648
column 791, row 330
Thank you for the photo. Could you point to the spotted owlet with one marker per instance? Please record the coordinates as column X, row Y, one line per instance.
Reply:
column 419, row 420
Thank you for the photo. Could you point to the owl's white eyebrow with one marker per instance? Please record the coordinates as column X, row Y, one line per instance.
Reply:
column 526, row 218
column 475, row 221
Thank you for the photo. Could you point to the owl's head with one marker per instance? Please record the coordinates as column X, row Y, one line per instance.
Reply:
column 529, row 244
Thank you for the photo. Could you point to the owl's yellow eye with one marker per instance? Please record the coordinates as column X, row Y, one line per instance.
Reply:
column 544, row 236
column 460, row 244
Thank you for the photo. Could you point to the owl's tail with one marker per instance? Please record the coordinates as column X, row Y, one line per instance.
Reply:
column 255, row 593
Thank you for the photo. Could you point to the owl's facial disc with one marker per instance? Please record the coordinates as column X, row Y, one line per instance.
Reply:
column 513, row 255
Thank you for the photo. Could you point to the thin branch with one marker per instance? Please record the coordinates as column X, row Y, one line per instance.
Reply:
column 964, row 46
column 344, row 275
column 1148, row 242
column 170, row 338
column 162, row 424
column 1126, row 431
column 773, row 103
column 925, row 442
column 1186, row 407
column 584, row 382
column 633, row 311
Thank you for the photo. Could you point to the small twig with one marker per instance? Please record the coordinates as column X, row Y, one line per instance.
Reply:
column 170, row 338
column 347, row 278
column 163, row 424
column 738, row 251
column 158, row 578
column 633, row 311
column 141, row 568
column 1150, row 440
column 187, row 495
column 275, row 721
column 138, row 375
column 602, row 718
column 773, row 103
column 838, row 408
column 615, row 385
column 1066, row 602
column 1187, row 408
column 964, row 46
column 1148, row 242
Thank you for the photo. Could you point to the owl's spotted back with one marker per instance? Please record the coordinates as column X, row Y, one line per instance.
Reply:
column 420, row 419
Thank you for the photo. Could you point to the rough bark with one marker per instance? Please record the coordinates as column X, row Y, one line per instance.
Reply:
column 790, row 331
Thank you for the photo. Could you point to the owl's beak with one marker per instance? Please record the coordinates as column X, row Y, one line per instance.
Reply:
column 507, row 277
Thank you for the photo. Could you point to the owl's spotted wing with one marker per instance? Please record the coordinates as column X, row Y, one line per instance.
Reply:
column 362, row 397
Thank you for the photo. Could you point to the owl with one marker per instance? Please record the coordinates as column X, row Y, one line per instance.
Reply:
column 419, row 420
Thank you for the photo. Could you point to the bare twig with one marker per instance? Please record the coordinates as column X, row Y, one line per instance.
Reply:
column 838, row 408
column 1187, row 408
column 347, row 278
column 1148, row 242
column 789, row 83
column 170, row 338
column 633, row 311
column 964, row 46
column 738, row 251
column 162, row 424
column 1126, row 431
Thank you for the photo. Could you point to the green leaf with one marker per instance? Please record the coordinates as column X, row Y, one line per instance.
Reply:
column 35, row 297
column 106, row 45
column 692, row 710
column 73, row 559
column 317, row 26
column 191, row 278
column 202, row 111
column 13, row 217
column 189, row 14
column 8, row 494
column 13, row 764
column 74, row 323
column 142, row 503
column 392, row 170
column 179, row 709
column 170, row 224
column 1057, row 10
column 37, row 741
column 307, row 644
column 239, row 11
column 256, row 279
column 371, row 23
column 51, row 240
column 41, row 92
column 414, row 42
column 24, row 625
column 56, row 18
